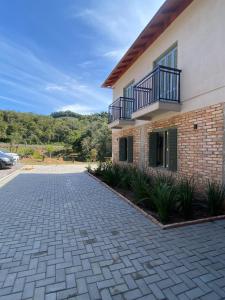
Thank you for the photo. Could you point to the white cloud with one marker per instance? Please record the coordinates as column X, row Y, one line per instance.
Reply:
column 54, row 87
column 77, row 108
column 115, row 54
column 120, row 21
column 8, row 99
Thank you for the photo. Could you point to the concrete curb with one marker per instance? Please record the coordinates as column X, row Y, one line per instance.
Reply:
column 9, row 177
column 154, row 220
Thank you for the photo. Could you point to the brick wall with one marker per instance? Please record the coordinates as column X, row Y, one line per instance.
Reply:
column 200, row 151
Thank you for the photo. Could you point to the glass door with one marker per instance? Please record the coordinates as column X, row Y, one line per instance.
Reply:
column 167, row 81
column 127, row 104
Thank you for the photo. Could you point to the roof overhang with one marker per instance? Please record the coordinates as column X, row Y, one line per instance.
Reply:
column 167, row 13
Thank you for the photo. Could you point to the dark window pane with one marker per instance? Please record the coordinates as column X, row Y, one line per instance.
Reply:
column 160, row 148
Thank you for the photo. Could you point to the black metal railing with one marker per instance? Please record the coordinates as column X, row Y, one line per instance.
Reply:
column 162, row 84
column 121, row 109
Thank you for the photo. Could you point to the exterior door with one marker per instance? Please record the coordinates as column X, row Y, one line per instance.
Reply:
column 127, row 102
column 128, row 91
column 167, row 80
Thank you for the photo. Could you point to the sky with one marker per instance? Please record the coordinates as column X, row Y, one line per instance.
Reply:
column 55, row 54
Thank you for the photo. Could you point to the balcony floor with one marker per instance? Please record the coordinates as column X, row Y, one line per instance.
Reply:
column 121, row 123
column 156, row 108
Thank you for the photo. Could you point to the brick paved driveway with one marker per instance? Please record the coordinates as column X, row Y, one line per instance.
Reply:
column 65, row 236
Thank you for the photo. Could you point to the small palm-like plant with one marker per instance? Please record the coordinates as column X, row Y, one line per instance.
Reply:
column 111, row 174
column 141, row 186
column 163, row 178
column 215, row 198
column 185, row 196
column 163, row 197
column 126, row 176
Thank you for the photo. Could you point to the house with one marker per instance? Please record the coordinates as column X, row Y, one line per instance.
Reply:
column 167, row 112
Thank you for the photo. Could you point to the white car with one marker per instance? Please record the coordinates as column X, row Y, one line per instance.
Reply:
column 15, row 156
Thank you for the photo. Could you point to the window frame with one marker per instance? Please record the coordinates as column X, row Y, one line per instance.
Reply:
column 166, row 149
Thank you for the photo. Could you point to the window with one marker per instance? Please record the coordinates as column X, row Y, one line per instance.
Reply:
column 126, row 149
column 168, row 58
column 163, row 149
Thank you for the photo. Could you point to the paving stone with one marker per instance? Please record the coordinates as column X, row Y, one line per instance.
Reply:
column 28, row 290
column 134, row 294
column 10, row 279
column 51, row 296
column 105, row 283
column 211, row 296
column 39, row 293
column 179, row 288
column 70, row 281
column 67, row 294
column 16, row 296
column 195, row 293
column 81, row 286
column 55, row 287
column 18, row 285
column 157, row 292
column 118, row 289
column 105, row 294
column 94, row 291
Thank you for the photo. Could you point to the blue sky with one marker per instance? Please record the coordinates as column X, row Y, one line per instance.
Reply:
column 55, row 54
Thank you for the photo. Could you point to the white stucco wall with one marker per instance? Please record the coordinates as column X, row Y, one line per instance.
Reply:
column 200, row 34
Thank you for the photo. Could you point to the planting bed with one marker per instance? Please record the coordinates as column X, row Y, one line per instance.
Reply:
column 200, row 209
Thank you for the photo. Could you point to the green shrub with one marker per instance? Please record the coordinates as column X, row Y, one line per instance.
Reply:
column 185, row 196
column 36, row 155
column 141, row 186
column 111, row 174
column 127, row 173
column 25, row 151
column 163, row 178
column 98, row 171
column 163, row 197
column 215, row 198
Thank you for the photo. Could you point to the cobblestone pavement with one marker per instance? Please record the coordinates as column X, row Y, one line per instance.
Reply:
column 65, row 236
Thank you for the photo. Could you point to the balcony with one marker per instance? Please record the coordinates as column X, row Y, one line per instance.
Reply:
column 120, row 112
column 156, row 93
